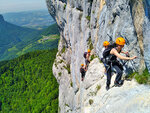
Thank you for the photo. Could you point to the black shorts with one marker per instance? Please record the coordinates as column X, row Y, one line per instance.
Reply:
column 82, row 75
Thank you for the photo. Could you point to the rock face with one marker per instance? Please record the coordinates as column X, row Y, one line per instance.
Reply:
column 86, row 24
column 130, row 98
column 146, row 33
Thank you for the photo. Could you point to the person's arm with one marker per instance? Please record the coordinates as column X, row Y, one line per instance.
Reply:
column 88, row 57
column 126, row 53
column 85, row 69
column 115, row 52
column 102, row 52
column 80, row 70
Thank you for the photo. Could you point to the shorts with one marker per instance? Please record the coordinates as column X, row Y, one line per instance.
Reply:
column 87, row 62
column 82, row 75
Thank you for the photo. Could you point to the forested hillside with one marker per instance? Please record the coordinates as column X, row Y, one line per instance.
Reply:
column 27, row 84
column 15, row 40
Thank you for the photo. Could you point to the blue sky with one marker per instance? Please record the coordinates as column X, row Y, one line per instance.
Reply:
column 21, row 5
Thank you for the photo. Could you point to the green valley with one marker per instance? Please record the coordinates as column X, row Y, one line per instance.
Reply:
column 16, row 41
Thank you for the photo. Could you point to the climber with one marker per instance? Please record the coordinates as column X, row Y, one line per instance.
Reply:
column 105, row 46
column 110, row 55
column 82, row 71
column 87, row 58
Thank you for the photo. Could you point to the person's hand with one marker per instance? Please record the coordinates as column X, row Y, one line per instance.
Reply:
column 127, row 53
column 133, row 57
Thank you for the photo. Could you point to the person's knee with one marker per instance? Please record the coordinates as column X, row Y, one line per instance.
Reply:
column 120, row 72
column 86, row 62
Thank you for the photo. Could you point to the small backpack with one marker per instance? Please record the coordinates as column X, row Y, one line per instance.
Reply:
column 84, row 55
column 107, row 57
column 106, row 52
column 82, row 70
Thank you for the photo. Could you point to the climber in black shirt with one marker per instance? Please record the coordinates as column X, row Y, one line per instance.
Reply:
column 82, row 71
column 111, row 61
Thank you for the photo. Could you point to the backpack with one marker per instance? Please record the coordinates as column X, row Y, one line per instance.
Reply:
column 84, row 55
column 106, row 52
column 82, row 70
column 107, row 57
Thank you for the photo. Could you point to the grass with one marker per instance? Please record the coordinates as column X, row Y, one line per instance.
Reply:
column 92, row 57
column 48, row 38
column 59, row 74
column 67, row 67
column 98, row 87
column 88, row 18
column 13, row 48
column 93, row 93
column 55, row 62
column 46, row 41
column 91, row 101
column 64, row 6
column 130, row 76
column 141, row 79
column 100, row 60
column 66, row 105
column 61, row 61
column 59, row 109
column 90, row 43
column 144, row 78
column 63, row 49
column 71, row 84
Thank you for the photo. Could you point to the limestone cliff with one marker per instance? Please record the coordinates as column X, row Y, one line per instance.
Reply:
column 86, row 24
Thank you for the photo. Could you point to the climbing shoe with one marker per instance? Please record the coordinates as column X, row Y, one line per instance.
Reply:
column 121, row 82
column 82, row 79
column 117, row 84
column 107, row 87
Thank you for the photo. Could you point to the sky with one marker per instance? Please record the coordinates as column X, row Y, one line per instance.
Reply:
column 21, row 5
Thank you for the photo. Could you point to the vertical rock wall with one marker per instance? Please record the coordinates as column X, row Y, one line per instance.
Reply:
column 86, row 24
column 146, row 33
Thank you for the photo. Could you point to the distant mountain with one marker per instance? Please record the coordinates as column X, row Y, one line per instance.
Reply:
column 31, row 19
column 15, row 40
column 11, row 34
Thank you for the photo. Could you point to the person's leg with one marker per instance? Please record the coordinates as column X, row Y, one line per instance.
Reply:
column 105, row 72
column 108, row 69
column 82, row 76
column 119, row 73
column 86, row 64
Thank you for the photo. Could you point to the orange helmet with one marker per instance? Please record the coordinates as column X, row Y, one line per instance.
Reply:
column 105, row 43
column 120, row 41
column 89, row 51
column 82, row 64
